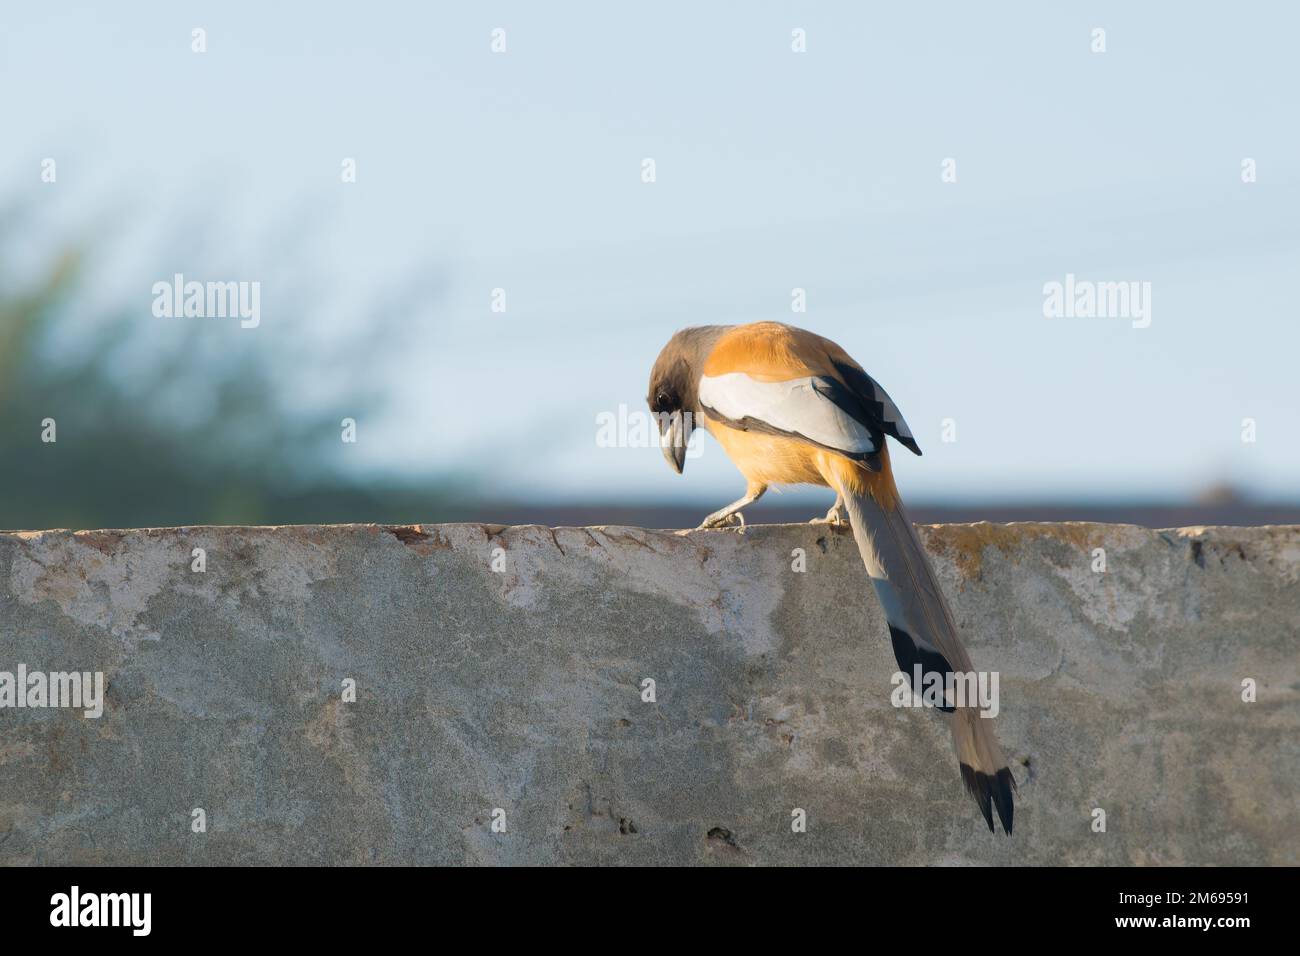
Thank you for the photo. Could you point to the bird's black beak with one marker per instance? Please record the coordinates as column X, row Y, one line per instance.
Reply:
column 672, row 439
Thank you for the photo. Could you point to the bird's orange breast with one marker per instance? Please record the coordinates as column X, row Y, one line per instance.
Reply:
column 767, row 459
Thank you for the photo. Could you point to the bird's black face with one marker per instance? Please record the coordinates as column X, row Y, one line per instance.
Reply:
column 675, row 421
column 674, row 388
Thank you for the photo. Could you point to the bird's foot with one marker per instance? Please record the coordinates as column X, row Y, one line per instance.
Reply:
column 733, row 519
column 834, row 517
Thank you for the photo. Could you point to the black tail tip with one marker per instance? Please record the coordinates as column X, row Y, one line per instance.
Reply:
column 991, row 791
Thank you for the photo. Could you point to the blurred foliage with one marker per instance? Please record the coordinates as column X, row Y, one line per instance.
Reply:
column 201, row 431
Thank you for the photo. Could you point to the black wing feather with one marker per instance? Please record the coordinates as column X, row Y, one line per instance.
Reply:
column 865, row 393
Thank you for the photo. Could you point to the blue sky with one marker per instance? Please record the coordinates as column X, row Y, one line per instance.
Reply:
column 775, row 170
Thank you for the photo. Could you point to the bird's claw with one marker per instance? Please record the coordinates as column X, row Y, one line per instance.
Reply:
column 732, row 520
column 834, row 518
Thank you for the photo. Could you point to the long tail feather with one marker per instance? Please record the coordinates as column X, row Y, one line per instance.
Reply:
column 922, row 630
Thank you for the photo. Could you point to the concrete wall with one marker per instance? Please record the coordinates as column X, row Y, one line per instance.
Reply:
column 520, row 690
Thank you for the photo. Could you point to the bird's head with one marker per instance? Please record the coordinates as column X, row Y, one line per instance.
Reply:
column 676, row 420
column 674, row 389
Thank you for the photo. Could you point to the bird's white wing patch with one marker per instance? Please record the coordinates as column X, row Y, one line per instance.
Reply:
column 794, row 406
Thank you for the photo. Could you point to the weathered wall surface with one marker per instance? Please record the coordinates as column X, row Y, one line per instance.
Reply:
column 521, row 690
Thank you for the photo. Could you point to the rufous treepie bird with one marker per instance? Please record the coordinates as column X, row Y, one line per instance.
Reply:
column 790, row 407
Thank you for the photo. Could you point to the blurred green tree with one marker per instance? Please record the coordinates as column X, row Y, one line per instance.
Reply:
column 184, row 434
